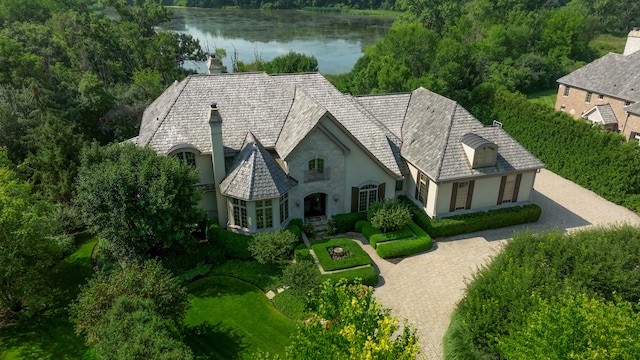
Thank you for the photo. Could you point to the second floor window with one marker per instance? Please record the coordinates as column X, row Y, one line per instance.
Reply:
column 187, row 157
column 316, row 170
column 587, row 98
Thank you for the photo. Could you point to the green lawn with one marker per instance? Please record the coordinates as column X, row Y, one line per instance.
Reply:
column 546, row 97
column 51, row 335
column 232, row 319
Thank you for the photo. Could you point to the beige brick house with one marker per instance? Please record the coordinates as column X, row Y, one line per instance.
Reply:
column 606, row 91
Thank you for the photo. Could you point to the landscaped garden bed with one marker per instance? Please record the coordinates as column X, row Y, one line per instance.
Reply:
column 368, row 274
column 340, row 253
column 406, row 241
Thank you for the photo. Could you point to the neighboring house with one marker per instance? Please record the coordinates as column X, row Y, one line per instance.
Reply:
column 270, row 148
column 607, row 90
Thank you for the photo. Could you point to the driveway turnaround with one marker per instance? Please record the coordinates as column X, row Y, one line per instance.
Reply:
column 425, row 288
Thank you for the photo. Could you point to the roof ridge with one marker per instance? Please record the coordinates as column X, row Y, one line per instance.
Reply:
column 374, row 119
column 295, row 91
column 184, row 85
column 446, row 140
column 404, row 118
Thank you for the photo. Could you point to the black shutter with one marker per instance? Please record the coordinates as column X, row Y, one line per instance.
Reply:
column 503, row 182
column 454, row 193
column 354, row 199
column 516, row 188
column 381, row 192
column 470, row 194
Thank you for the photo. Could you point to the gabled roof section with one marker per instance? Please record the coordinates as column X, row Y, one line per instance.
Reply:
column 633, row 108
column 349, row 114
column 304, row 115
column 602, row 114
column 246, row 102
column 613, row 75
column 388, row 108
column 255, row 175
column 433, row 129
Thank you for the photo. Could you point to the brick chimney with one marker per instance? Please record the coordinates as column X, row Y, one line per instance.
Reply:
column 633, row 42
column 214, row 65
column 217, row 157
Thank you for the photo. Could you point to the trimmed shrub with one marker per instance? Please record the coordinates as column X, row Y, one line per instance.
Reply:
column 368, row 231
column 301, row 277
column 388, row 215
column 347, row 222
column 403, row 233
column 272, row 246
column 368, row 275
column 301, row 253
column 234, row 246
column 417, row 214
column 358, row 255
column 492, row 219
column 297, row 221
column 404, row 247
column 295, row 230
column 359, row 225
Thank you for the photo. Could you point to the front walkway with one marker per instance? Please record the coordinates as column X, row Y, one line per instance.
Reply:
column 425, row 288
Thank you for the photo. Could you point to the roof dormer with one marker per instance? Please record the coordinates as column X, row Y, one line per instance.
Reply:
column 480, row 151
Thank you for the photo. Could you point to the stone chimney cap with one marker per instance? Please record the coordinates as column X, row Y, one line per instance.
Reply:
column 214, row 105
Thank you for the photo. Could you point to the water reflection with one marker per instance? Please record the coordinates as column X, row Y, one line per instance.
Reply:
column 337, row 41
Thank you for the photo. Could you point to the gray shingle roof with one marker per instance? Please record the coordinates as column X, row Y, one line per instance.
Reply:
column 613, row 75
column 389, row 108
column 255, row 175
column 633, row 108
column 606, row 113
column 432, row 133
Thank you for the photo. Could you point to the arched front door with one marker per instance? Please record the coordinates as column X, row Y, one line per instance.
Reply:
column 315, row 205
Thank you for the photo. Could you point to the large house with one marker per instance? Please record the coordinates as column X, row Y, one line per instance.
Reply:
column 606, row 91
column 274, row 147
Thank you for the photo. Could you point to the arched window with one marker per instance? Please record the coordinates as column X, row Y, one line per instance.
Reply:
column 316, row 170
column 368, row 194
column 187, row 157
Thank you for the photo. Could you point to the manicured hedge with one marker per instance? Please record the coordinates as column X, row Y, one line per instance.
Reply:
column 492, row 219
column 347, row 222
column 403, row 233
column 360, row 224
column 301, row 252
column 406, row 247
column 368, row 231
column 296, row 230
column 234, row 246
column 358, row 256
column 418, row 215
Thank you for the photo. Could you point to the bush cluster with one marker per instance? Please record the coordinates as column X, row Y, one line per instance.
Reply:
column 347, row 222
column 418, row 215
column 537, row 269
column 388, row 215
column 233, row 245
column 492, row 219
column 421, row 243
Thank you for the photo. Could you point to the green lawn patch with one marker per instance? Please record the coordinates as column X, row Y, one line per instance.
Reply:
column 51, row 335
column 352, row 254
column 546, row 97
column 231, row 319
column 265, row 276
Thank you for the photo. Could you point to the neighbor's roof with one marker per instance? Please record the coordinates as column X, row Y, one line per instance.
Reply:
column 612, row 75
column 633, row 108
column 255, row 175
column 602, row 112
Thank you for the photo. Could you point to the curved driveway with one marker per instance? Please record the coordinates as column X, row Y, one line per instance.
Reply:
column 425, row 288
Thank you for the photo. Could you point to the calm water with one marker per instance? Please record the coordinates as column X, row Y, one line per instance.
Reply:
column 337, row 41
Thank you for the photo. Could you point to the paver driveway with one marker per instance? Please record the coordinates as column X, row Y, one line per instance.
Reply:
column 426, row 287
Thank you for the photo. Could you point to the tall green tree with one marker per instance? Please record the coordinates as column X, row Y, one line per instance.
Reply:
column 28, row 246
column 350, row 324
column 140, row 202
column 151, row 289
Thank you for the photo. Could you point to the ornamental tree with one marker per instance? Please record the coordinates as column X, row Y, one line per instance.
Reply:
column 389, row 215
column 349, row 324
column 140, row 202
column 272, row 246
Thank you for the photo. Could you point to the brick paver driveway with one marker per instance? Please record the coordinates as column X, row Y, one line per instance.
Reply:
column 426, row 287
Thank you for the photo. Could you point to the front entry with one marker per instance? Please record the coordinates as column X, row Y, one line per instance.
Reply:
column 315, row 205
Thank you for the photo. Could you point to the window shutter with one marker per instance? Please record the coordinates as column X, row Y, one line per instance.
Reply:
column 381, row 192
column 503, row 182
column 454, row 193
column 417, row 186
column 516, row 189
column 426, row 192
column 354, row 199
column 470, row 194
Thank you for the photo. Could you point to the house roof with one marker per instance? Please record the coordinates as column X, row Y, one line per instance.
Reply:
column 602, row 114
column 613, row 75
column 633, row 108
column 421, row 127
column 255, row 175
column 433, row 129
column 474, row 141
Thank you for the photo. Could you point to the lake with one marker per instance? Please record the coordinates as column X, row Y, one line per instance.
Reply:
column 336, row 40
